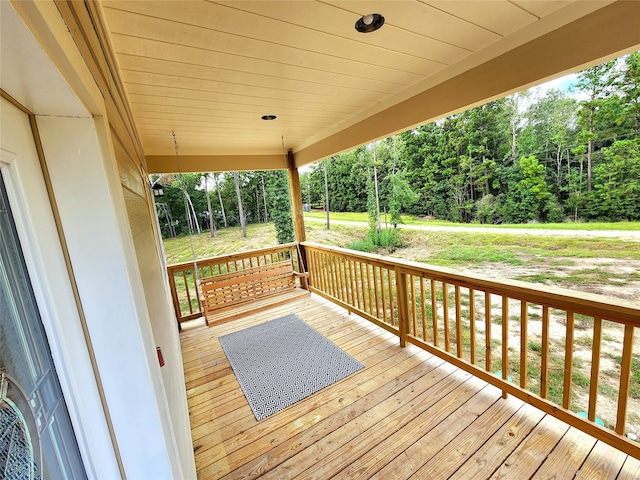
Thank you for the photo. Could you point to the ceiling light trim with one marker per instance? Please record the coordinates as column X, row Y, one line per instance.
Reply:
column 369, row 23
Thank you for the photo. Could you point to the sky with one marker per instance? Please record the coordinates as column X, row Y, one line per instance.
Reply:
column 563, row 83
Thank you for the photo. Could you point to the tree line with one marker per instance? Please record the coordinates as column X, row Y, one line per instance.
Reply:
column 531, row 156
column 194, row 202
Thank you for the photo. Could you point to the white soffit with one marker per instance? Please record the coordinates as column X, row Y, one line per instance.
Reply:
column 209, row 70
column 28, row 74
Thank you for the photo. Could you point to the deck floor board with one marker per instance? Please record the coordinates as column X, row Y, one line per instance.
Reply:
column 407, row 414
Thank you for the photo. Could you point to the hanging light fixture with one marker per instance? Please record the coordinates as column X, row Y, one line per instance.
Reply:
column 157, row 190
column 369, row 23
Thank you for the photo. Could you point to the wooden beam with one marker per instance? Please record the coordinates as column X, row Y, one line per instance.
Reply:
column 213, row 163
column 296, row 198
column 604, row 34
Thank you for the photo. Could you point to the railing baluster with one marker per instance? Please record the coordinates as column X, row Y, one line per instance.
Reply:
column 364, row 296
column 524, row 334
column 314, row 268
column 472, row 325
column 423, row 300
column 625, row 379
column 343, row 284
column 348, row 279
column 434, row 312
column 174, row 295
column 369, row 289
column 324, row 258
column 197, row 292
column 355, row 279
column 330, row 275
column 337, row 287
column 383, row 292
column 354, row 291
column 337, row 291
column 595, row 367
column 458, row 321
column 505, row 341
column 487, row 330
column 445, row 306
column 327, row 276
column 391, row 298
column 317, row 263
column 347, row 283
column 544, row 368
column 186, row 289
column 375, row 286
column 414, row 312
column 342, row 262
column 311, row 268
column 403, row 311
column 568, row 361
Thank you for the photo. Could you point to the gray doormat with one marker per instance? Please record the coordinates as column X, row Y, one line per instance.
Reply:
column 280, row 362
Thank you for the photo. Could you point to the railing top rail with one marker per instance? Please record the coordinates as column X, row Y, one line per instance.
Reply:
column 233, row 256
column 555, row 297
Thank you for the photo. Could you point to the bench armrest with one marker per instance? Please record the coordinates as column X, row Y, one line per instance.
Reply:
column 304, row 279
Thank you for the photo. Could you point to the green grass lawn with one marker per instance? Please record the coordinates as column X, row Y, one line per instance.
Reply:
column 553, row 260
column 227, row 240
column 411, row 220
column 462, row 248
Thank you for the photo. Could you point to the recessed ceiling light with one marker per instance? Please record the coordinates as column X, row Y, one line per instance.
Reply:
column 369, row 23
column 269, row 117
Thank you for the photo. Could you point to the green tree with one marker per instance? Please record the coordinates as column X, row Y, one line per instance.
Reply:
column 400, row 195
column 597, row 82
column 551, row 124
column 280, row 202
column 616, row 195
column 630, row 88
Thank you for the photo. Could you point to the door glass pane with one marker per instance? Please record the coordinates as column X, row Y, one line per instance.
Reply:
column 36, row 437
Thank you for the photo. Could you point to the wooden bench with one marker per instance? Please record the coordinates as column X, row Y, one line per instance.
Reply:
column 233, row 295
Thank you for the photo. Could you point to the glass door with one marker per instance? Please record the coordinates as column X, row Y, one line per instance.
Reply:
column 36, row 436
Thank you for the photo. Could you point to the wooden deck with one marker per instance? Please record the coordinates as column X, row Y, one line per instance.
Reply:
column 407, row 414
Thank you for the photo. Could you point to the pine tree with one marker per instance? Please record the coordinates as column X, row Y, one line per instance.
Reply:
column 281, row 206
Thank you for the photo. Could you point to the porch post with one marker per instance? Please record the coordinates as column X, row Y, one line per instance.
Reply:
column 296, row 198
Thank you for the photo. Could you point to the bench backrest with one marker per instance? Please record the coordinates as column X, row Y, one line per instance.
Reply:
column 234, row 288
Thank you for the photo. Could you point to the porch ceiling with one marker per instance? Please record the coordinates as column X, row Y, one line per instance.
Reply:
column 209, row 70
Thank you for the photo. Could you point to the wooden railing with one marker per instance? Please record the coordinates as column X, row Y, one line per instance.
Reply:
column 183, row 279
column 514, row 335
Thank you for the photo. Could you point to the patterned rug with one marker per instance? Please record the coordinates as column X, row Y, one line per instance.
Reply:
column 280, row 362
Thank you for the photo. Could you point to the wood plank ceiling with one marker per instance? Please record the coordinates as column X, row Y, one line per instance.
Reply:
column 209, row 70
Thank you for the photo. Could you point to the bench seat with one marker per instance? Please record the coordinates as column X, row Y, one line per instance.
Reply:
column 236, row 294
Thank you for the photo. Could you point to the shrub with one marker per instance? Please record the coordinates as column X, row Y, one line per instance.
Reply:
column 386, row 238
